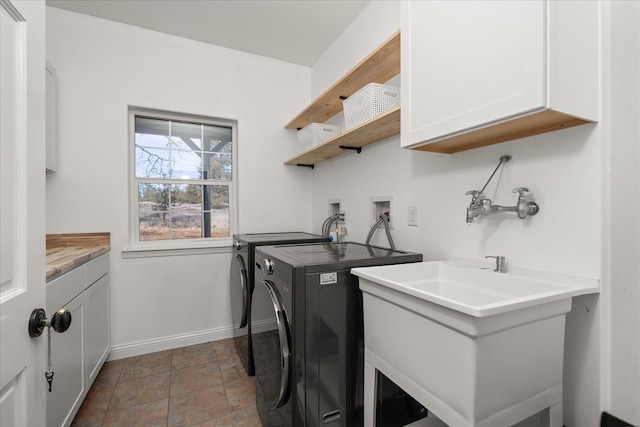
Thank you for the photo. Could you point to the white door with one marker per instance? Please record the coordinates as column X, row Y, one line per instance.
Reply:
column 22, row 186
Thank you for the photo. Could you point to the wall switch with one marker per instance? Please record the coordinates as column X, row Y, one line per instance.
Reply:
column 412, row 216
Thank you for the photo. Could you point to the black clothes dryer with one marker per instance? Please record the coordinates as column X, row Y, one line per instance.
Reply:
column 242, row 283
column 309, row 370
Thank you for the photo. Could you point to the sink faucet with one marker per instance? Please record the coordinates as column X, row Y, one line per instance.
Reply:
column 500, row 263
column 484, row 206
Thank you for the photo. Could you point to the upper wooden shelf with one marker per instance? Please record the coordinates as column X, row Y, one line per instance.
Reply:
column 380, row 66
column 373, row 130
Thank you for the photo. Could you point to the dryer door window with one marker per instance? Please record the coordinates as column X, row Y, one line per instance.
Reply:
column 272, row 352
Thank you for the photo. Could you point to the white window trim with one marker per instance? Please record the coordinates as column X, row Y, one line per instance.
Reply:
column 139, row 248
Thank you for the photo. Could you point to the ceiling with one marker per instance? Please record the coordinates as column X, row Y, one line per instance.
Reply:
column 296, row 31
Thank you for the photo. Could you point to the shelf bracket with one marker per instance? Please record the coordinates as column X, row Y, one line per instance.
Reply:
column 305, row 166
column 357, row 149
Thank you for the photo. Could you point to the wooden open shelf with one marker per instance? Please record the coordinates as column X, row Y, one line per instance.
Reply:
column 371, row 131
column 380, row 66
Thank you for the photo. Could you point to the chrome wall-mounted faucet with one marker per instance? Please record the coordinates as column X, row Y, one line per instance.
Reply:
column 483, row 206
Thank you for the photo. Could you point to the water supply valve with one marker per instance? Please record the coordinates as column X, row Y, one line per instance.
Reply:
column 525, row 208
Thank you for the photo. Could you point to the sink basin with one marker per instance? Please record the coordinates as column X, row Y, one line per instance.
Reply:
column 476, row 347
column 476, row 291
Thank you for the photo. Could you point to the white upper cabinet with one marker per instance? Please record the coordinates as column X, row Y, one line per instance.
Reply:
column 476, row 73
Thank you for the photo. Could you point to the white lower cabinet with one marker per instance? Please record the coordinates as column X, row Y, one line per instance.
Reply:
column 96, row 331
column 78, row 353
column 69, row 385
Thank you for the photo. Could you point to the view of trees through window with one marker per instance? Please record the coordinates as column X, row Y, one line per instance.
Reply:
column 183, row 174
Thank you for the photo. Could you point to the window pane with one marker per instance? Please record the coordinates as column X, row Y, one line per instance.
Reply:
column 186, row 165
column 187, row 196
column 155, row 226
column 152, row 163
column 186, row 211
column 153, row 198
column 217, row 138
column 218, row 166
column 153, row 215
column 186, row 224
column 216, row 220
column 151, row 132
column 186, row 136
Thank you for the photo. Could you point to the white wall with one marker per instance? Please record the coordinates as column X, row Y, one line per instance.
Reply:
column 622, row 392
column 103, row 67
column 563, row 170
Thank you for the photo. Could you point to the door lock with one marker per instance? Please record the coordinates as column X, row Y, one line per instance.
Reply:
column 60, row 322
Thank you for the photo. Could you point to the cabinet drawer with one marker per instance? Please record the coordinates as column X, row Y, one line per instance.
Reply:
column 97, row 268
column 65, row 288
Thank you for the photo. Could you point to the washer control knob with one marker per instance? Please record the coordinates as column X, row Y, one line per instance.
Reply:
column 237, row 244
column 268, row 266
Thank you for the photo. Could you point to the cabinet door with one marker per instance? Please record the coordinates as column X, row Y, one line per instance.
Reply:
column 97, row 334
column 466, row 64
column 68, row 389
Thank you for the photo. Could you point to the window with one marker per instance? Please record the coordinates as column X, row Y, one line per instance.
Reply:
column 183, row 178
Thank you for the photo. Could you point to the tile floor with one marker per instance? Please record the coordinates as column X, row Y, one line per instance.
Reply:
column 201, row 385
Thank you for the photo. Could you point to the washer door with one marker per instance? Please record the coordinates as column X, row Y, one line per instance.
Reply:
column 272, row 350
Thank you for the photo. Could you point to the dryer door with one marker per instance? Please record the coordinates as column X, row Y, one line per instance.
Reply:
column 239, row 291
column 243, row 290
column 272, row 350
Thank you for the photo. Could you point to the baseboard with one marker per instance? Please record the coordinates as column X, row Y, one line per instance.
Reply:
column 183, row 340
column 608, row 420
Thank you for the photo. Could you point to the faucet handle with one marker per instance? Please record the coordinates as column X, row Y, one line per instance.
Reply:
column 500, row 263
column 521, row 190
column 474, row 194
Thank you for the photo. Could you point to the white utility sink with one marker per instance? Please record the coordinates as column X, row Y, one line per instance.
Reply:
column 477, row 291
column 476, row 347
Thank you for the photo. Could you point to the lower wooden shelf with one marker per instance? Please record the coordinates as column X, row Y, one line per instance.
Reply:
column 378, row 128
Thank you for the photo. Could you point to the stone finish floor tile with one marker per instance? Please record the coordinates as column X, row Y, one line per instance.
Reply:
column 141, row 390
column 195, row 378
column 151, row 413
column 202, row 385
column 198, row 406
column 195, row 355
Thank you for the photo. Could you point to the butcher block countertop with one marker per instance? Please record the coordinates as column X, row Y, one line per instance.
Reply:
column 68, row 251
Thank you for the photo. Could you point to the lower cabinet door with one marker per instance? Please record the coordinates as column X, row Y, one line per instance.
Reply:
column 97, row 334
column 68, row 387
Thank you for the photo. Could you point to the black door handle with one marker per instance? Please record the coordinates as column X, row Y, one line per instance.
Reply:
column 60, row 321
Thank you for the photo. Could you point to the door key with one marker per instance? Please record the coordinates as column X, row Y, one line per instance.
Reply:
column 60, row 322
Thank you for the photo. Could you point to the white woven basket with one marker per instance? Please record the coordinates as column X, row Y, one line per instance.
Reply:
column 316, row 133
column 371, row 101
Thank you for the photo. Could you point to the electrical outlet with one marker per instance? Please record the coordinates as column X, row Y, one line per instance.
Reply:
column 412, row 216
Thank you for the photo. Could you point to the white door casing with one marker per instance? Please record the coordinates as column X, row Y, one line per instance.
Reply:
column 22, row 223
